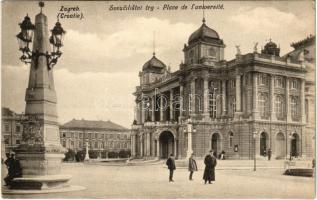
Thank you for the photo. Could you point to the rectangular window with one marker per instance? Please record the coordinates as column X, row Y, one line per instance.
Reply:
column 294, row 107
column 64, row 143
column 18, row 128
column 6, row 127
column 17, row 141
column 306, row 109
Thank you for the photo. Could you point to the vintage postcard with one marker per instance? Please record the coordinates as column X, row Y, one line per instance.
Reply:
column 158, row 99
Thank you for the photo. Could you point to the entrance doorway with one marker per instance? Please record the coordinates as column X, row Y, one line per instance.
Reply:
column 167, row 142
column 263, row 144
column 280, row 146
column 295, row 145
column 216, row 143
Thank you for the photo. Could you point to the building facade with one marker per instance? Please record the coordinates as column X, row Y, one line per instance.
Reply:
column 11, row 130
column 255, row 102
column 99, row 135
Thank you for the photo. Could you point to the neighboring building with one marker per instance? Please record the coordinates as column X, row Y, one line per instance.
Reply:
column 11, row 129
column 100, row 135
column 245, row 106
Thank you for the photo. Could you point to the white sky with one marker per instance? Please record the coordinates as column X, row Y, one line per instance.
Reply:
column 103, row 53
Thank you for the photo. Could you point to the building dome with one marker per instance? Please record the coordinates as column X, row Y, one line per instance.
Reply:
column 154, row 64
column 271, row 48
column 204, row 33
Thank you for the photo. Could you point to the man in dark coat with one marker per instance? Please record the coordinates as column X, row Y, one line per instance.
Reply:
column 210, row 164
column 14, row 169
column 192, row 166
column 269, row 154
column 171, row 166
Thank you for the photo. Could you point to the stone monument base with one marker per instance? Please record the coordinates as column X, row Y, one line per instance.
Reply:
column 40, row 182
column 70, row 188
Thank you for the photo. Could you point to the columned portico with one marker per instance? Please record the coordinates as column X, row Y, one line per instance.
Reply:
column 206, row 98
column 238, row 93
column 302, row 100
column 272, row 99
column 181, row 101
column 287, row 107
column 153, row 108
column 143, row 108
column 192, row 97
column 161, row 107
column 171, row 105
column 224, row 102
column 255, row 112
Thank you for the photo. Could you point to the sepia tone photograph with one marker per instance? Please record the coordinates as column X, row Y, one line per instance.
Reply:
column 158, row 99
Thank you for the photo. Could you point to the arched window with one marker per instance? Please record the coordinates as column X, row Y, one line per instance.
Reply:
column 213, row 100
column 263, row 105
column 279, row 106
column 230, row 139
column 263, row 79
column 294, row 84
column 232, row 105
column 294, row 107
column 280, row 82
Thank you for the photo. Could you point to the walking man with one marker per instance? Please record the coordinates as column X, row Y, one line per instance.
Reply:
column 210, row 164
column 192, row 166
column 171, row 166
column 269, row 154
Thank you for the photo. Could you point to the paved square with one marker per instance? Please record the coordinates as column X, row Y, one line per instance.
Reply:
column 151, row 181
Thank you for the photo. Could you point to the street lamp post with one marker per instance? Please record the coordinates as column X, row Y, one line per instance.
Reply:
column 290, row 146
column 40, row 152
column 189, row 129
column 254, row 156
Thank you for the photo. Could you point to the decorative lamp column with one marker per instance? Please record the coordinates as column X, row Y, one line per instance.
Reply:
column 87, row 151
column 255, row 135
column 302, row 100
column 190, row 130
column 40, row 151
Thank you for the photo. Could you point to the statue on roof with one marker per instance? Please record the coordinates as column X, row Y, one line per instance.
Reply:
column 238, row 50
column 255, row 48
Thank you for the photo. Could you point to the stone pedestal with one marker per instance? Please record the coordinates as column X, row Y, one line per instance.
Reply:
column 40, row 152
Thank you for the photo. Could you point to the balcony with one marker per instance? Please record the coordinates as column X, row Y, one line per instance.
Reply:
column 161, row 124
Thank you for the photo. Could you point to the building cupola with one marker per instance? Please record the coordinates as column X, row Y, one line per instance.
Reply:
column 271, row 49
column 205, row 34
column 204, row 46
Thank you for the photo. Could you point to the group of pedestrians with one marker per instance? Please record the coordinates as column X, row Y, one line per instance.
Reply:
column 209, row 172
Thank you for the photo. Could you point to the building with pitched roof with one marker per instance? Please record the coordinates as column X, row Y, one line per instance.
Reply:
column 244, row 107
column 99, row 135
column 11, row 129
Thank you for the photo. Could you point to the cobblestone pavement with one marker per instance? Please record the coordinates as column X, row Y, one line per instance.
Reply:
column 151, row 181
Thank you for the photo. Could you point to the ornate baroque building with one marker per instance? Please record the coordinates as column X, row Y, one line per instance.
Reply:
column 245, row 106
